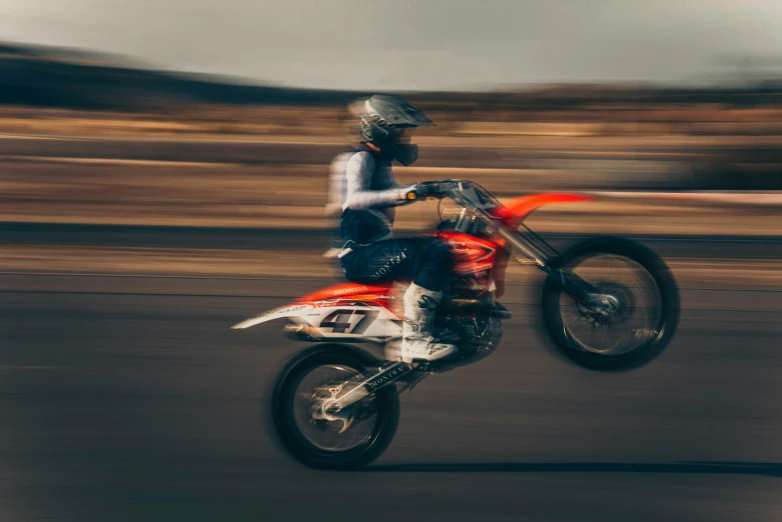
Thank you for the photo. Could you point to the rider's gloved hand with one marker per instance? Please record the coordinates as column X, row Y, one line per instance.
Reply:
column 427, row 189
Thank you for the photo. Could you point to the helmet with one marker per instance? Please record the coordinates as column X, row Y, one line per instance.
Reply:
column 385, row 121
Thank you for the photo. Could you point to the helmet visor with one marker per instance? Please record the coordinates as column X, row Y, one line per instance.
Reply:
column 395, row 113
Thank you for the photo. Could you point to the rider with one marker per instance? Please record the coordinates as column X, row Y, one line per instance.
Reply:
column 366, row 191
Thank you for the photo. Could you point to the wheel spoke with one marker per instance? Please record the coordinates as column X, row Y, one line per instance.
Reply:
column 614, row 334
column 322, row 429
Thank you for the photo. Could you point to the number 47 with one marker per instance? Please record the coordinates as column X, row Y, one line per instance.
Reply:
column 333, row 321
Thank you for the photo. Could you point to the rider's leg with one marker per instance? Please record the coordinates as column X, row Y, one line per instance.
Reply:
column 426, row 261
column 421, row 300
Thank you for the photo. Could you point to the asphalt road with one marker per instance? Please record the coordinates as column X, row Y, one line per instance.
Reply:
column 121, row 401
column 702, row 246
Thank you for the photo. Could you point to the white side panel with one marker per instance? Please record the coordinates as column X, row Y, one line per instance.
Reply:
column 353, row 321
column 330, row 320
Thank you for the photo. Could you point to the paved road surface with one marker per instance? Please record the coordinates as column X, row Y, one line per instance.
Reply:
column 121, row 403
column 739, row 247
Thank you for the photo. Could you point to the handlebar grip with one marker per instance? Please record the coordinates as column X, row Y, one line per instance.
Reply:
column 423, row 190
column 430, row 189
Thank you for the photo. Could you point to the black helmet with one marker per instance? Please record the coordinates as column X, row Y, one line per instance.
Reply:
column 384, row 122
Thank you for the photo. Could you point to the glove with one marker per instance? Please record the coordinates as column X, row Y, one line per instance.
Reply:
column 427, row 189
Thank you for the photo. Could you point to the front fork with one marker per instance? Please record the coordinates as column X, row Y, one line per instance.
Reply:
column 540, row 253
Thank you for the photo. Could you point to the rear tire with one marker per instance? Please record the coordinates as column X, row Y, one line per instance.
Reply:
column 566, row 346
column 282, row 409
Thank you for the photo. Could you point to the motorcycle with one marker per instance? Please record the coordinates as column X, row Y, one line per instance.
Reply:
column 336, row 404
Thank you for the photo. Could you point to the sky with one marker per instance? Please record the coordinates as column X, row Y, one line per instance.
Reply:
column 414, row 44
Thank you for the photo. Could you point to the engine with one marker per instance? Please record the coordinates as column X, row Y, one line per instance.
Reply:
column 476, row 336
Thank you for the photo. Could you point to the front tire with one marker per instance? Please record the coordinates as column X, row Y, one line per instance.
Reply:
column 292, row 435
column 660, row 329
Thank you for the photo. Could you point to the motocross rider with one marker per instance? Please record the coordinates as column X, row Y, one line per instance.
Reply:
column 364, row 190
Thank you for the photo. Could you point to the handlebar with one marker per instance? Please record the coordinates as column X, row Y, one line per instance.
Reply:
column 426, row 189
column 499, row 219
column 466, row 194
column 470, row 195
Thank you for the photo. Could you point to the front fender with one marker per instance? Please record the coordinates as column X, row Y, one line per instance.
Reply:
column 517, row 210
column 291, row 310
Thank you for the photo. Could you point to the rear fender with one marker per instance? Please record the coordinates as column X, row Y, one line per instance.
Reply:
column 293, row 311
column 344, row 311
column 336, row 319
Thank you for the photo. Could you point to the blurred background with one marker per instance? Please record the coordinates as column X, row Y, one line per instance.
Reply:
column 163, row 175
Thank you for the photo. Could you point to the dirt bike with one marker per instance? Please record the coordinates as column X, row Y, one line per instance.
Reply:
column 336, row 405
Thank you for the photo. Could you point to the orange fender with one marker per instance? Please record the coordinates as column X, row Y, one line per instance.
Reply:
column 516, row 210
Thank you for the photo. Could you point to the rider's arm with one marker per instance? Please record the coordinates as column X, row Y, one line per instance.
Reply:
column 336, row 192
column 359, row 177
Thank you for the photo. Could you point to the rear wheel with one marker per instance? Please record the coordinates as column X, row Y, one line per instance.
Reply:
column 641, row 324
column 349, row 439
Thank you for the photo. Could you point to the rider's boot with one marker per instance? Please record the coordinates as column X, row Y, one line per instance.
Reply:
column 418, row 341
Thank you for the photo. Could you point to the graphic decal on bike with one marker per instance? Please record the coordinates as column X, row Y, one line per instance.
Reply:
column 427, row 303
column 344, row 321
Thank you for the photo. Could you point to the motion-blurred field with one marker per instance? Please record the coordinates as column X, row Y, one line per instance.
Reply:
column 86, row 140
column 206, row 168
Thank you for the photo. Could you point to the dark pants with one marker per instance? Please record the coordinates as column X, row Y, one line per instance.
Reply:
column 427, row 261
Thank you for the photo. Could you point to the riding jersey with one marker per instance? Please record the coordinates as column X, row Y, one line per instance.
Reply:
column 365, row 191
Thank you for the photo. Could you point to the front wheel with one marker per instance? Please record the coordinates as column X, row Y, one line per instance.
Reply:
column 349, row 439
column 636, row 330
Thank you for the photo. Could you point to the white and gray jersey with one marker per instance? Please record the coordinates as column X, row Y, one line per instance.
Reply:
column 363, row 191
